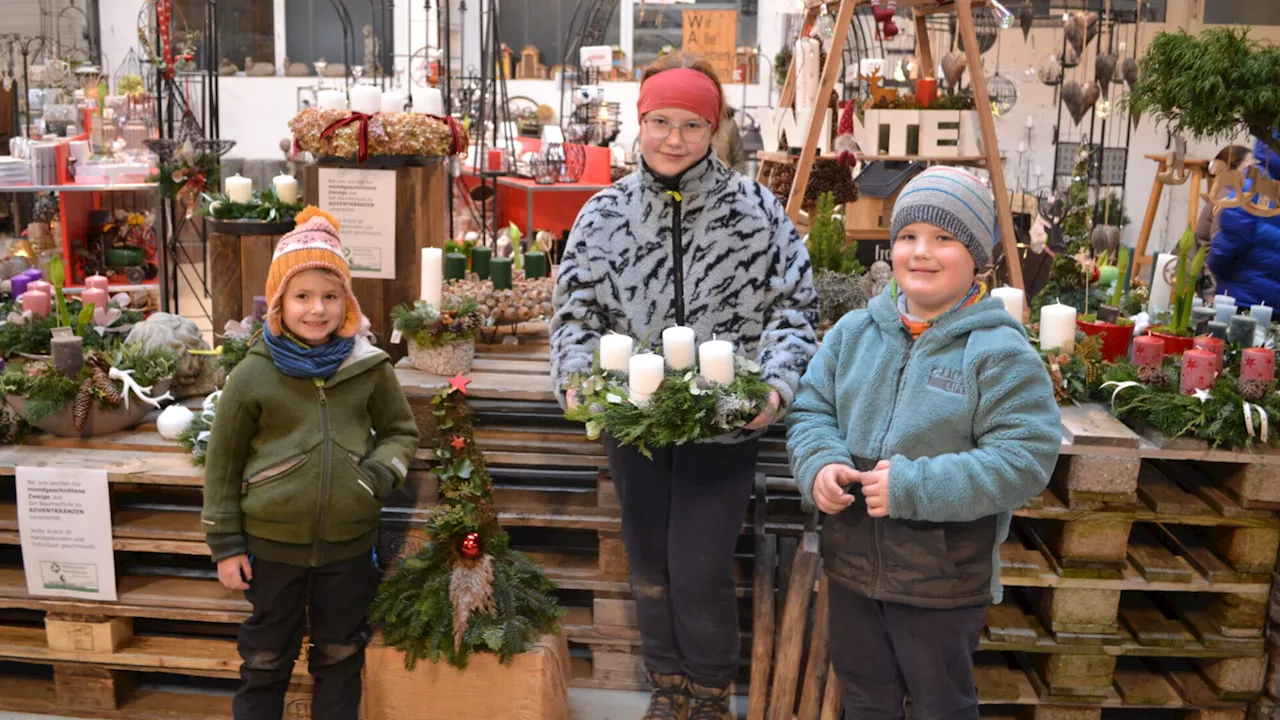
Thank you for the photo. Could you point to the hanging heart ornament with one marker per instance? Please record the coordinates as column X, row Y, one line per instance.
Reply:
column 1129, row 71
column 1104, row 69
column 1079, row 99
column 953, row 66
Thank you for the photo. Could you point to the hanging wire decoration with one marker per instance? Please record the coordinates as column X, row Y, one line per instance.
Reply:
column 1050, row 71
column 1003, row 92
column 987, row 25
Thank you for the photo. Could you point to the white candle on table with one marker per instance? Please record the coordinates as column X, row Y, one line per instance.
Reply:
column 238, row 189
column 286, row 188
column 1223, row 312
column 366, row 99
column 1161, row 289
column 1057, row 327
column 432, row 276
column 1013, row 300
column 677, row 347
column 332, row 99
column 1263, row 314
column 646, row 372
column 428, row 100
column 1031, row 121
column 615, row 352
column 392, row 101
column 715, row 361
column 1227, row 299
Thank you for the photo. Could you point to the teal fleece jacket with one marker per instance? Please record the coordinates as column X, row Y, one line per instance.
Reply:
column 966, row 416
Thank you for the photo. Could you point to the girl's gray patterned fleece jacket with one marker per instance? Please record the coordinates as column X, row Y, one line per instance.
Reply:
column 711, row 249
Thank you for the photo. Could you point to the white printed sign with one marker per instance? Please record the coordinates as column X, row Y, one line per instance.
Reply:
column 64, row 521
column 364, row 202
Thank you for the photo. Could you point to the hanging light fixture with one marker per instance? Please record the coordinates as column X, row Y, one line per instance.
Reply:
column 1005, row 17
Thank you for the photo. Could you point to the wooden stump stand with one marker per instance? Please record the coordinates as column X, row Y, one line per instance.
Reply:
column 239, row 258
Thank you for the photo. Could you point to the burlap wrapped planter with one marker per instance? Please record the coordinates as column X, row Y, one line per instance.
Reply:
column 451, row 359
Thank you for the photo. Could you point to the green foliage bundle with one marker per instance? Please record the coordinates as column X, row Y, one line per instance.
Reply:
column 265, row 206
column 1122, row 271
column 1076, row 374
column 829, row 250
column 47, row 391
column 1218, row 420
column 415, row 605
column 33, row 336
column 684, row 409
column 1211, row 85
column 195, row 438
column 235, row 348
column 428, row 327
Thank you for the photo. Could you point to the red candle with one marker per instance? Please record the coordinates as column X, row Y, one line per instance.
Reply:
column 35, row 301
column 97, row 296
column 1197, row 370
column 926, row 91
column 1148, row 350
column 1214, row 345
column 496, row 156
column 1258, row 364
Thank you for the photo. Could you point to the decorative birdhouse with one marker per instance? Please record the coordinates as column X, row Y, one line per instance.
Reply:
column 531, row 67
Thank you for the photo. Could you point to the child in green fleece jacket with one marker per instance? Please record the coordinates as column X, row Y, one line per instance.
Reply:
column 932, row 406
column 311, row 435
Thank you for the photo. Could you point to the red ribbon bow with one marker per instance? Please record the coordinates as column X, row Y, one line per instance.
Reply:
column 455, row 133
column 362, row 130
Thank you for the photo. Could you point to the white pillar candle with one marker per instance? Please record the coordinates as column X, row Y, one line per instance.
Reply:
column 432, row 276
column 1057, row 327
column 1013, row 300
column 366, row 99
column 428, row 100
column 238, row 189
column 392, row 101
column 1226, row 299
column 615, row 352
column 646, row 372
column 715, row 361
column 332, row 99
column 1263, row 314
column 286, row 188
column 1223, row 312
column 677, row 347
column 1161, row 289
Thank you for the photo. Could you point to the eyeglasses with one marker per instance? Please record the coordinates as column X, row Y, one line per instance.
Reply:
column 659, row 128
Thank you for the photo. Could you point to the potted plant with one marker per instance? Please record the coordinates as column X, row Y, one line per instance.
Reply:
column 1176, row 333
column 836, row 270
column 1115, row 329
column 441, row 341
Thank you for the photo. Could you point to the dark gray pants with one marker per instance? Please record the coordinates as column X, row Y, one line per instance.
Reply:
column 682, row 513
column 883, row 651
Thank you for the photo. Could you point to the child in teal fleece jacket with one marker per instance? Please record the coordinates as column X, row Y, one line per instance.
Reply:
column 934, row 408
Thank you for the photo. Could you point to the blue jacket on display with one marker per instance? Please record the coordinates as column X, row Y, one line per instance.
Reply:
column 1245, row 252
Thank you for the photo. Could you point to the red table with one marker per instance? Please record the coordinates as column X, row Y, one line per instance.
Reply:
column 555, row 209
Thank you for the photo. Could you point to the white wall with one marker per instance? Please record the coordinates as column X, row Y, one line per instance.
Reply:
column 255, row 111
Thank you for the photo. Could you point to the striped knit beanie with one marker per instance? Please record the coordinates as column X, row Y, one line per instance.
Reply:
column 312, row 245
column 954, row 200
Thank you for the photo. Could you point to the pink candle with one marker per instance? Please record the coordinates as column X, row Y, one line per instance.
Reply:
column 96, row 281
column 41, row 285
column 1258, row 364
column 1197, row 370
column 1214, row 345
column 97, row 296
column 1148, row 350
column 37, row 302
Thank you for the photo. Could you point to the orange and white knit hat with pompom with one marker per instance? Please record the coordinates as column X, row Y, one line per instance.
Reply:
column 312, row 245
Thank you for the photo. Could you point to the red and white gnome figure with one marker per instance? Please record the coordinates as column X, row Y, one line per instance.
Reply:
column 883, row 13
column 844, row 144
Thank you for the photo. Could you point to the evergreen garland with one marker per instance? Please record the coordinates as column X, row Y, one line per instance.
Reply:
column 265, row 206
column 431, row 328
column 416, row 605
column 47, row 391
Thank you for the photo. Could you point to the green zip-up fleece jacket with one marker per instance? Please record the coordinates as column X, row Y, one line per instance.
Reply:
column 297, row 470
column 965, row 416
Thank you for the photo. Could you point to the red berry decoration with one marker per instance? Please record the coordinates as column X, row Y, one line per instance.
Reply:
column 471, row 548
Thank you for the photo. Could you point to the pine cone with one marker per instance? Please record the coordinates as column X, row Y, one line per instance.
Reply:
column 1153, row 376
column 83, row 403
column 1254, row 390
column 105, row 386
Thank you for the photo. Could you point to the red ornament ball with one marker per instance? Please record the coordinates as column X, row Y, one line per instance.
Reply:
column 471, row 548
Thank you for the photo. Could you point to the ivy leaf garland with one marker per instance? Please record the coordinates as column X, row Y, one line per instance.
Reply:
column 415, row 606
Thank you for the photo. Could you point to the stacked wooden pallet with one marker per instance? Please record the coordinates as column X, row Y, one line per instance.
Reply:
column 1137, row 582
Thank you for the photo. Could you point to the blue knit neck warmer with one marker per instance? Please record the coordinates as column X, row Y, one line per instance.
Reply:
column 296, row 359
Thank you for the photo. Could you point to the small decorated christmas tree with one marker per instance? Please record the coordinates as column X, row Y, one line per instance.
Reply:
column 466, row 590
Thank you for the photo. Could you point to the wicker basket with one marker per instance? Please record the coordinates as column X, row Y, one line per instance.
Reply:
column 447, row 360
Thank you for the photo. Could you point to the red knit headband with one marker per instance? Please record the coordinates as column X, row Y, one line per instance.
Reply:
column 682, row 88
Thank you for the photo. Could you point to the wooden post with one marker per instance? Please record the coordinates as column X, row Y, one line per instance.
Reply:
column 1140, row 256
column 765, row 564
column 991, row 147
column 1193, row 200
column 815, row 674
column 795, row 616
column 830, row 68
column 923, row 50
column 421, row 219
column 224, row 280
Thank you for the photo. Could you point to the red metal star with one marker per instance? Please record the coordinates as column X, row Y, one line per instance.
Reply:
column 1191, row 364
column 458, row 442
column 1249, row 362
column 460, row 382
